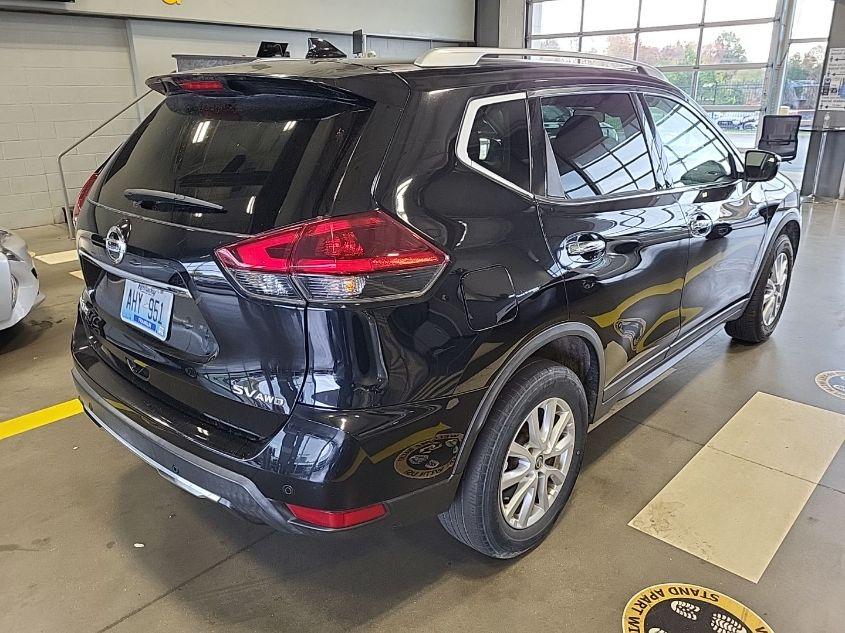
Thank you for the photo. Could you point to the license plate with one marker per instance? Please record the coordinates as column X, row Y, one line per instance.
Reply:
column 147, row 308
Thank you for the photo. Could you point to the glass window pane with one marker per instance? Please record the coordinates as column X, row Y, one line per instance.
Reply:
column 804, row 64
column 739, row 127
column 690, row 151
column 595, row 146
column 499, row 141
column 556, row 43
column 682, row 80
column 602, row 15
column 724, row 10
column 736, row 44
column 616, row 45
column 669, row 48
column 556, row 16
column 812, row 18
column 667, row 12
column 730, row 87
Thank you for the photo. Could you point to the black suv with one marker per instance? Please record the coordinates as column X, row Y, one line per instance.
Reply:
column 333, row 293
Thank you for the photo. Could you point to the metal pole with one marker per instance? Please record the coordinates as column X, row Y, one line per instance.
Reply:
column 68, row 212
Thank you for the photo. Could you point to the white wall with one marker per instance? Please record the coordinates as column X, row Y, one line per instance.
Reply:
column 441, row 19
column 59, row 78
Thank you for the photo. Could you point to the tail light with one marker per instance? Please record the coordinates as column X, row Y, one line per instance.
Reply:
column 366, row 256
column 83, row 195
column 337, row 519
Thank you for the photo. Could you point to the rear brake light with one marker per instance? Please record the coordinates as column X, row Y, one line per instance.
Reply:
column 83, row 195
column 201, row 85
column 361, row 257
column 337, row 519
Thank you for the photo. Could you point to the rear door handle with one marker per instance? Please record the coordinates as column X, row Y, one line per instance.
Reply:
column 585, row 248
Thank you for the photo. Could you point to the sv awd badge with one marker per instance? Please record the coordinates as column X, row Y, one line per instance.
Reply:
column 256, row 395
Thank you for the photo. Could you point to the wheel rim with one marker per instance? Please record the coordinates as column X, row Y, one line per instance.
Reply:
column 537, row 464
column 775, row 290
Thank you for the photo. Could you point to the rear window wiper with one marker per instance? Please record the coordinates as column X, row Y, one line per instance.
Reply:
column 152, row 200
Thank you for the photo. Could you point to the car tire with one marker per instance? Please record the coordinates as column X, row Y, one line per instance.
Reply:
column 477, row 516
column 765, row 307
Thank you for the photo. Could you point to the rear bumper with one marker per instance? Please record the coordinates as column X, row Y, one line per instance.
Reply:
column 193, row 474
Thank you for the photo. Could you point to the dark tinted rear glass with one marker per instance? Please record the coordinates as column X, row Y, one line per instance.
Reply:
column 266, row 159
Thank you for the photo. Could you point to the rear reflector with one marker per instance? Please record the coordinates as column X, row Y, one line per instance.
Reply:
column 337, row 519
column 360, row 257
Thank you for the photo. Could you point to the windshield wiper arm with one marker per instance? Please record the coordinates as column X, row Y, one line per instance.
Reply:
column 151, row 198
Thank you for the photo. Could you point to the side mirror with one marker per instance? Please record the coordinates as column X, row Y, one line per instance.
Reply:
column 760, row 165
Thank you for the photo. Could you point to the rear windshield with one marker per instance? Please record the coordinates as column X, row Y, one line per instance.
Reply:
column 260, row 160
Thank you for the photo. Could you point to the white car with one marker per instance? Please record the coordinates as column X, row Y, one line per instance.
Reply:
column 19, row 288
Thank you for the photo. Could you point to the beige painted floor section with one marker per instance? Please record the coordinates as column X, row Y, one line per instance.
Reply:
column 735, row 501
column 63, row 257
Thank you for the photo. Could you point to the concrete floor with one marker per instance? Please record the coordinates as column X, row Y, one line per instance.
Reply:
column 73, row 504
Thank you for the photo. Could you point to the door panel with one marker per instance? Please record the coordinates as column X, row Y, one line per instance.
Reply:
column 724, row 251
column 724, row 212
column 631, row 293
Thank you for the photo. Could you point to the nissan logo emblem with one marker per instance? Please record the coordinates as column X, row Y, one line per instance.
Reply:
column 116, row 242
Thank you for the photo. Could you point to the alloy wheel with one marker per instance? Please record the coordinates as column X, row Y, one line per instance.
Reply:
column 537, row 463
column 775, row 290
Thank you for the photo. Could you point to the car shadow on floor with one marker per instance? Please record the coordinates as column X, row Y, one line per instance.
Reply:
column 306, row 583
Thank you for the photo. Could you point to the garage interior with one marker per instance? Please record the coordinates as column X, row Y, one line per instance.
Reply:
column 92, row 539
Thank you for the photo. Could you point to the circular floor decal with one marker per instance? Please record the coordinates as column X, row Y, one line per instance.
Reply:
column 680, row 608
column 833, row 382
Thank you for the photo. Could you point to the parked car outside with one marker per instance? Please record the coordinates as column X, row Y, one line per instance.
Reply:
column 19, row 286
column 342, row 293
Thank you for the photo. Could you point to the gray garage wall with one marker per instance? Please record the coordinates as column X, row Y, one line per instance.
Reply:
column 59, row 77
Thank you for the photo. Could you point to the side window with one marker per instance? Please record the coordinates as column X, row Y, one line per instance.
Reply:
column 595, row 146
column 693, row 154
column 498, row 141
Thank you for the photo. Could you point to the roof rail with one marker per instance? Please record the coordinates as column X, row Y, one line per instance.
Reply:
column 471, row 56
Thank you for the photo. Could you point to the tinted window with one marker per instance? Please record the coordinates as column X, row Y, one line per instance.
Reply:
column 265, row 159
column 595, row 146
column 692, row 153
column 499, row 141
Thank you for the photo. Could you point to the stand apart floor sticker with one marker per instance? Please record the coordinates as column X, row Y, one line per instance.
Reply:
column 833, row 382
column 680, row 608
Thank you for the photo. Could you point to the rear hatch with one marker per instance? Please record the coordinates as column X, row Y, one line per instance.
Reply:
column 224, row 157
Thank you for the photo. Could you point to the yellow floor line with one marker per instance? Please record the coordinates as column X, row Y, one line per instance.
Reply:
column 33, row 420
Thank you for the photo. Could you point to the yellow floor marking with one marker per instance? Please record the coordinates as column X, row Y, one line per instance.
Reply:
column 737, row 498
column 63, row 257
column 77, row 274
column 33, row 420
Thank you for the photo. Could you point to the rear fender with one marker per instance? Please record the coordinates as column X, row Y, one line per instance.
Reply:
column 509, row 369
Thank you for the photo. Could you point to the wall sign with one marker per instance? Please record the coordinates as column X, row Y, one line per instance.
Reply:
column 681, row 608
column 172, row 1
column 832, row 90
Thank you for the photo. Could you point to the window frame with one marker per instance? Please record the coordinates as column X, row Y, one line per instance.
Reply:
column 737, row 162
column 465, row 130
column 650, row 138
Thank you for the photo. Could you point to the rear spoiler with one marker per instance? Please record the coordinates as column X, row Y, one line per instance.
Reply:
column 233, row 85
